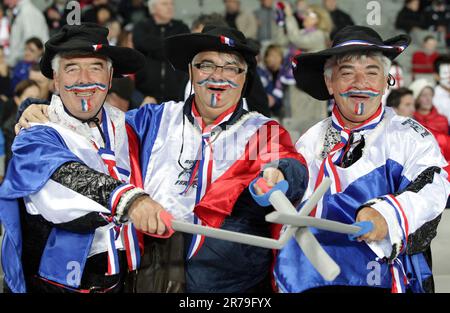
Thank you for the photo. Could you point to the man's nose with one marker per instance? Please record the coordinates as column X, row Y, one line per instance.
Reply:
column 360, row 80
column 218, row 73
column 84, row 76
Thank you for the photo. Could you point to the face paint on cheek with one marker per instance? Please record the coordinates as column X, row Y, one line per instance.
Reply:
column 359, row 108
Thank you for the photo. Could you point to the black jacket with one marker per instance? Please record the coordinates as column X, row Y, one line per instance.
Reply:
column 158, row 79
column 407, row 19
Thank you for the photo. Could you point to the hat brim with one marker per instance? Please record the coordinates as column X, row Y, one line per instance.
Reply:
column 181, row 49
column 125, row 60
column 309, row 70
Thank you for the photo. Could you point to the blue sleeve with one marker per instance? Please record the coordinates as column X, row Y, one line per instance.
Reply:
column 145, row 122
column 296, row 175
column 37, row 153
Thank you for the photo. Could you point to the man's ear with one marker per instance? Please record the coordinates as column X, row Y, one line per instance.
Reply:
column 436, row 77
column 329, row 85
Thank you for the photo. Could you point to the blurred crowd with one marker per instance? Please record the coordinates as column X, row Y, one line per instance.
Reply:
column 281, row 29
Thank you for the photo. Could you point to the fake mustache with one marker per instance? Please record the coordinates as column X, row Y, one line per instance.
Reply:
column 369, row 92
column 221, row 84
column 85, row 87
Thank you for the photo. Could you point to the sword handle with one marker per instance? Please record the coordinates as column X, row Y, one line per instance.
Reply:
column 366, row 227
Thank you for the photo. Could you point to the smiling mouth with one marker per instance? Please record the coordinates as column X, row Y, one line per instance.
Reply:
column 216, row 89
column 85, row 94
column 359, row 97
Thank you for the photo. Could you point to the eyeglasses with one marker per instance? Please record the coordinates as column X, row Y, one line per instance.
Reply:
column 227, row 70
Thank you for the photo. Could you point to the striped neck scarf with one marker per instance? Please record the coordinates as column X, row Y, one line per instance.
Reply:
column 337, row 153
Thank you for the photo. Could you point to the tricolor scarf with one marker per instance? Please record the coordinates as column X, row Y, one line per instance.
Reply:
column 129, row 232
column 337, row 153
column 202, row 167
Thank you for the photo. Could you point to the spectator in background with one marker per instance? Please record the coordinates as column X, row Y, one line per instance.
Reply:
column 34, row 48
column 208, row 19
column 55, row 15
column 270, row 73
column 409, row 18
column 423, row 60
column 115, row 29
column 120, row 93
column 441, row 97
column 28, row 22
column 98, row 12
column 315, row 34
column 427, row 115
column 133, row 11
column 45, row 84
column 437, row 18
column 305, row 110
column 339, row 17
column 5, row 81
column 158, row 79
column 4, row 30
column 126, row 37
column 301, row 7
column 265, row 17
column 402, row 101
column 25, row 89
column 241, row 20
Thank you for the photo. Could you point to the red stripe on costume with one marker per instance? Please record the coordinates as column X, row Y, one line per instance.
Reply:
column 135, row 169
column 318, row 181
column 394, row 284
column 404, row 218
column 127, row 244
column 116, row 201
column 223, row 193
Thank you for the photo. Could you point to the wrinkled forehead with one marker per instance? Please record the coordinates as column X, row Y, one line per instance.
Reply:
column 219, row 57
column 83, row 59
column 358, row 59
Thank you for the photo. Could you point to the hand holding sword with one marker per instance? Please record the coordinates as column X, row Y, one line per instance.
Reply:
column 297, row 224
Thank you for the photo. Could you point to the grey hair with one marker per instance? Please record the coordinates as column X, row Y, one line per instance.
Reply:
column 57, row 60
column 338, row 59
column 228, row 57
column 151, row 4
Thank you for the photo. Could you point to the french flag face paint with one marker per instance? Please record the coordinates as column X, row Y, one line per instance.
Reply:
column 359, row 108
column 81, row 88
column 215, row 99
column 85, row 90
column 86, row 105
column 368, row 92
column 217, row 87
column 359, row 95
column 222, row 84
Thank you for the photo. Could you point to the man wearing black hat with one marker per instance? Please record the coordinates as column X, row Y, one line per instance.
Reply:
column 76, row 177
column 385, row 168
column 199, row 157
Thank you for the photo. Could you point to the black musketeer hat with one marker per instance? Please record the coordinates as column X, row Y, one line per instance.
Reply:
column 90, row 39
column 309, row 67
